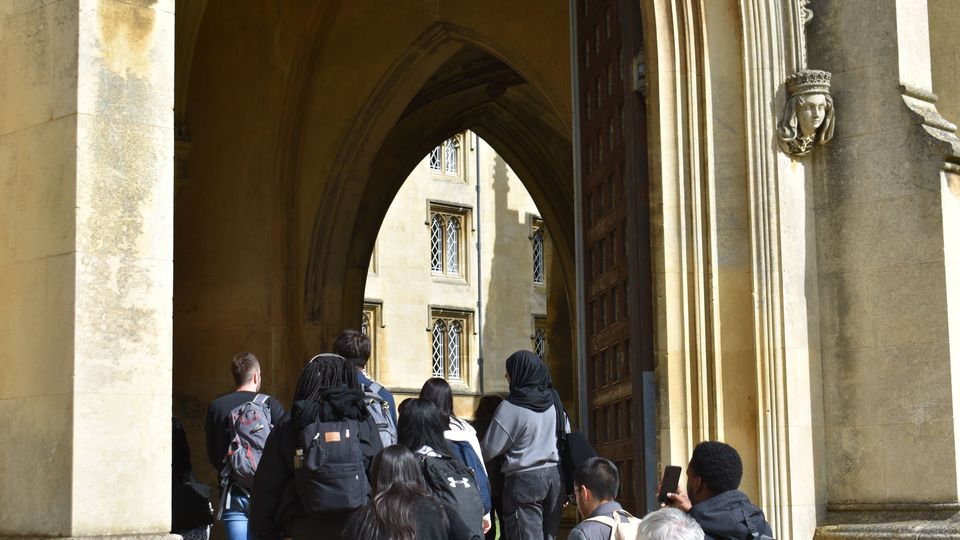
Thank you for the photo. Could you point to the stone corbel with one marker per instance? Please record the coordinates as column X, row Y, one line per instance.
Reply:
column 808, row 115
column 923, row 104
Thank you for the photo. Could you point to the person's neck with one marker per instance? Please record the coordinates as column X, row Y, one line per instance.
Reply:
column 598, row 505
column 249, row 387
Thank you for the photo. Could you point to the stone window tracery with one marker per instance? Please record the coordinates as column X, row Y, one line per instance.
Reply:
column 445, row 158
column 446, row 241
column 448, row 343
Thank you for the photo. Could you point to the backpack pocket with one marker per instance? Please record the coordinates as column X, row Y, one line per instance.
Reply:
column 332, row 489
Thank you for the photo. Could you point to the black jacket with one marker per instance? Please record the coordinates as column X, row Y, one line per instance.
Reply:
column 725, row 516
column 275, row 509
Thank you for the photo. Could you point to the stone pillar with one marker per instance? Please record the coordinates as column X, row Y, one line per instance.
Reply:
column 884, row 213
column 86, row 200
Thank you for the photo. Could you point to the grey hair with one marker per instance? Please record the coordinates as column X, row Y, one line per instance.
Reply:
column 670, row 524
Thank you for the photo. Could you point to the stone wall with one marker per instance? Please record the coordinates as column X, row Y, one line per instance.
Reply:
column 86, row 186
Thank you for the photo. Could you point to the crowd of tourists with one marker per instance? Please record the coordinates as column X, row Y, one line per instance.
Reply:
column 346, row 462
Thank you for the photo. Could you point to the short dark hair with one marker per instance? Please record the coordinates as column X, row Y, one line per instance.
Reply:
column 718, row 465
column 600, row 476
column 354, row 346
column 243, row 366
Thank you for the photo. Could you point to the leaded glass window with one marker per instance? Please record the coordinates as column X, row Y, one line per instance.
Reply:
column 453, row 245
column 539, row 336
column 448, row 343
column 540, row 342
column 538, row 266
column 435, row 159
column 439, row 332
column 445, row 158
column 436, row 243
column 447, row 241
column 451, row 156
column 454, row 335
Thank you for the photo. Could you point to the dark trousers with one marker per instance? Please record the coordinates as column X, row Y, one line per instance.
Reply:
column 532, row 503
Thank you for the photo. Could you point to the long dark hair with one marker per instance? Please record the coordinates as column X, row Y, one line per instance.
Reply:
column 397, row 484
column 438, row 392
column 484, row 413
column 325, row 371
column 422, row 424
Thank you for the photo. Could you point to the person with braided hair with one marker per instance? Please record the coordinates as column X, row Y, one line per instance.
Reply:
column 327, row 394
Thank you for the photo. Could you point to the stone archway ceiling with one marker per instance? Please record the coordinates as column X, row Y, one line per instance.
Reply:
column 467, row 70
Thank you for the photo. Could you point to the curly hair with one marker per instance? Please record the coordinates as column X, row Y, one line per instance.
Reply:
column 718, row 465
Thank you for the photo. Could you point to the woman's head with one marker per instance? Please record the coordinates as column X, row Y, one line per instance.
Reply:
column 325, row 371
column 437, row 391
column 422, row 424
column 396, row 466
column 397, row 485
column 525, row 368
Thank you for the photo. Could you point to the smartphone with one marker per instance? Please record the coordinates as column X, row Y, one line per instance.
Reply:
column 669, row 483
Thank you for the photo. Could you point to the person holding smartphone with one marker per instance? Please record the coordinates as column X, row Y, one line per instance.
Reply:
column 712, row 497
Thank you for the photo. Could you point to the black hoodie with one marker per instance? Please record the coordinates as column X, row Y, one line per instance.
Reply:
column 276, row 510
column 725, row 516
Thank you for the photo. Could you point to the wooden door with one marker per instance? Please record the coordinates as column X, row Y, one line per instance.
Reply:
column 615, row 212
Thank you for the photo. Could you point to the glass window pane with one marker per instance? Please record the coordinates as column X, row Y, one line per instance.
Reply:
column 436, row 244
column 452, row 156
column 365, row 325
column 453, row 352
column 538, row 273
column 435, row 159
column 438, row 334
column 540, row 342
column 453, row 245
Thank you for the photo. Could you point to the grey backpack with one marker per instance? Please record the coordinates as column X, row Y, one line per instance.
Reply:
column 379, row 411
column 250, row 424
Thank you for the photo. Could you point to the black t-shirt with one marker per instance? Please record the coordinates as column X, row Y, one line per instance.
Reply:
column 218, row 422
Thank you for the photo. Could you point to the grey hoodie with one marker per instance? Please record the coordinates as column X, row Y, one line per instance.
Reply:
column 527, row 439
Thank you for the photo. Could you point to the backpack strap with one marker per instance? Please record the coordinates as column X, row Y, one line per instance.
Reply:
column 261, row 399
column 375, row 387
column 754, row 533
column 606, row 520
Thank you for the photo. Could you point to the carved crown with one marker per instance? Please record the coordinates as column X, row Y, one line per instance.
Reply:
column 808, row 81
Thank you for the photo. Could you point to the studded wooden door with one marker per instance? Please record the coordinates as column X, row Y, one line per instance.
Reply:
column 615, row 210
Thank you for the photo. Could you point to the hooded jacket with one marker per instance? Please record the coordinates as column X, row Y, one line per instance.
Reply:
column 725, row 516
column 276, row 510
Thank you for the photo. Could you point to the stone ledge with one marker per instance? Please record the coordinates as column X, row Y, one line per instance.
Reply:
column 900, row 530
column 891, row 521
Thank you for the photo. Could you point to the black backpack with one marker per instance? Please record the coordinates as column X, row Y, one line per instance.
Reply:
column 328, row 468
column 456, row 486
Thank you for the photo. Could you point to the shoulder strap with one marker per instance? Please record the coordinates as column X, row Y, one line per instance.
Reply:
column 753, row 529
column 606, row 520
column 257, row 399
column 375, row 387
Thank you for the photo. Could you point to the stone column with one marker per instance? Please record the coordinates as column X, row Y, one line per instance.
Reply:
column 885, row 218
column 86, row 200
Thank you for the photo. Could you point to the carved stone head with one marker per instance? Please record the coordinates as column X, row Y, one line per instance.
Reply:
column 808, row 115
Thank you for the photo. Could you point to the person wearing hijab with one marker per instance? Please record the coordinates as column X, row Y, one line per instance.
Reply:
column 524, row 430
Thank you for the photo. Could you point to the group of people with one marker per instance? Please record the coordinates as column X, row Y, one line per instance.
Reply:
column 345, row 461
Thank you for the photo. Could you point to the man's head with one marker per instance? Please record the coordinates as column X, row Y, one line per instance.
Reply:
column 353, row 346
column 714, row 468
column 245, row 369
column 669, row 524
column 595, row 482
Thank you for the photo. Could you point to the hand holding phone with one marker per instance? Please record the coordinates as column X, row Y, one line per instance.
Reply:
column 669, row 483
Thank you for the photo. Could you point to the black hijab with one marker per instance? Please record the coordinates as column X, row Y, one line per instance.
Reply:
column 530, row 384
